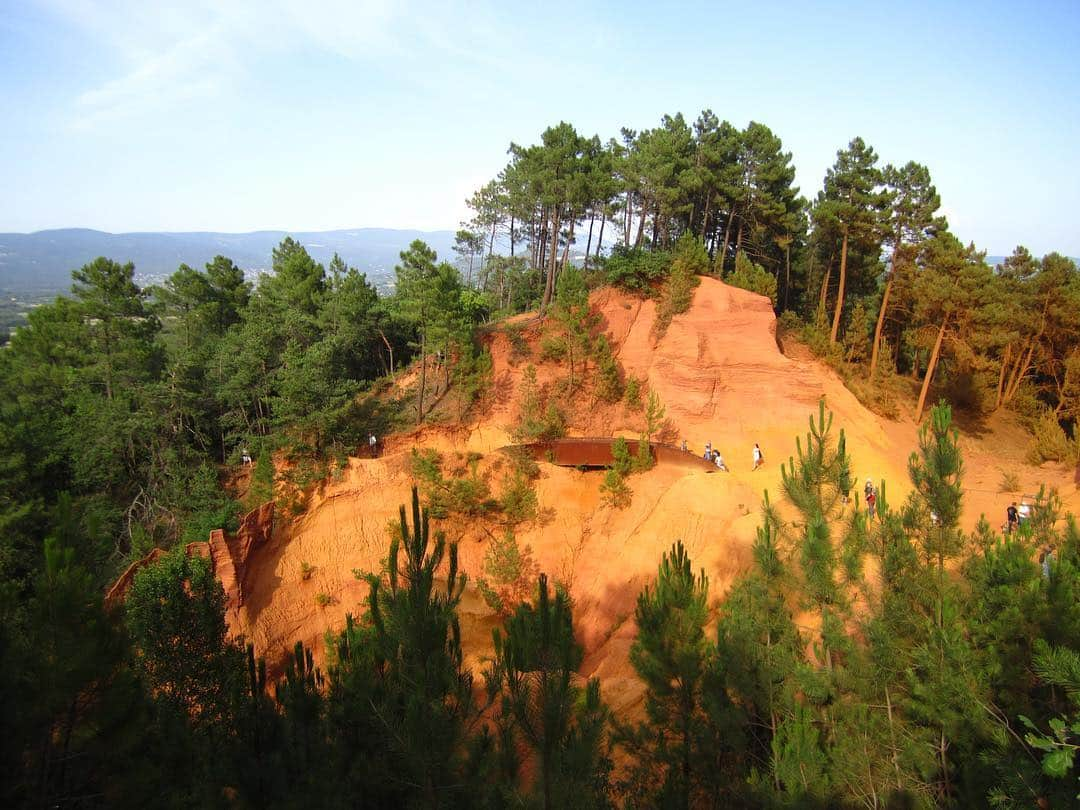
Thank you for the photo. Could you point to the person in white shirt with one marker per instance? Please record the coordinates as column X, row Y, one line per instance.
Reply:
column 1024, row 511
column 759, row 457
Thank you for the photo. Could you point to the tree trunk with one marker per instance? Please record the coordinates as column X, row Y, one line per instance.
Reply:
column 1001, row 376
column 825, row 288
column 880, row 324
column 705, row 214
column 600, row 238
column 930, row 366
column 738, row 239
column 549, row 284
column 423, row 382
column 1021, row 369
column 390, row 349
column 511, row 236
column 787, row 273
column 640, row 227
column 588, row 245
column 840, row 293
column 727, row 240
column 569, row 240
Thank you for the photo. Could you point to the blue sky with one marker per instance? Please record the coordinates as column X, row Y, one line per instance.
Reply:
column 308, row 115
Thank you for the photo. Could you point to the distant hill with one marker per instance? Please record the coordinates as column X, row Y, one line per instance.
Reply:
column 43, row 261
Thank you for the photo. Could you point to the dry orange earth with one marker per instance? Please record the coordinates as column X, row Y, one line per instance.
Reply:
column 722, row 378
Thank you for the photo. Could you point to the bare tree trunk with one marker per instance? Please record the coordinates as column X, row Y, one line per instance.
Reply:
column 840, row 293
column 825, row 287
column 600, row 238
column 880, row 324
column 549, row 284
column 1001, row 376
column 1020, row 371
column 588, row 244
column 787, row 273
column 727, row 240
column 641, row 226
column 930, row 370
column 390, row 349
column 511, row 236
column 423, row 382
column 569, row 241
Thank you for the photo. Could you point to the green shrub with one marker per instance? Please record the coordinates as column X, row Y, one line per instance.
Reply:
column 789, row 321
column 324, row 600
column 1010, row 482
column 609, row 385
column 752, row 277
column 636, row 269
column 306, row 570
column 553, row 348
column 1049, row 442
column 1027, row 406
column 643, row 459
column 467, row 494
column 518, row 500
column 857, row 334
column 614, row 490
column 472, row 377
column 519, row 346
column 632, row 394
column 675, row 297
column 553, row 425
column 509, row 572
column 621, row 461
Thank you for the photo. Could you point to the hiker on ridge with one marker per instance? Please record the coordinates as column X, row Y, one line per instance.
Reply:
column 759, row 457
column 373, row 444
column 1012, row 519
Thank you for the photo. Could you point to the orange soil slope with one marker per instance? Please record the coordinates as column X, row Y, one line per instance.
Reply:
column 722, row 378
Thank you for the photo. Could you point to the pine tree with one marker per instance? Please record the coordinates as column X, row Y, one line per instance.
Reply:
column 850, row 208
column 428, row 691
column 561, row 723
column 672, row 656
column 913, row 205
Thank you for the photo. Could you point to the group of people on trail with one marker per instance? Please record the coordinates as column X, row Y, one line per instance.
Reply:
column 1017, row 516
column 717, row 459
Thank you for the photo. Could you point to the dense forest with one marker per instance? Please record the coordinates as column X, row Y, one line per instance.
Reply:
column 942, row 668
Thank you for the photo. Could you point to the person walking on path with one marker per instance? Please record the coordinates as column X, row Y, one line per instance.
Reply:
column 1023, row 512
column 245, row 457
column 871, row 504
column 373, row 444
column 759, row 457
column 1012, row 518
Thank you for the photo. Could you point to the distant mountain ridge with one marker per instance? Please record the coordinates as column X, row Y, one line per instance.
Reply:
column 43, row 261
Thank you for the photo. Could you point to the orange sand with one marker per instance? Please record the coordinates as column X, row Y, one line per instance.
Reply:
column 722, row 378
